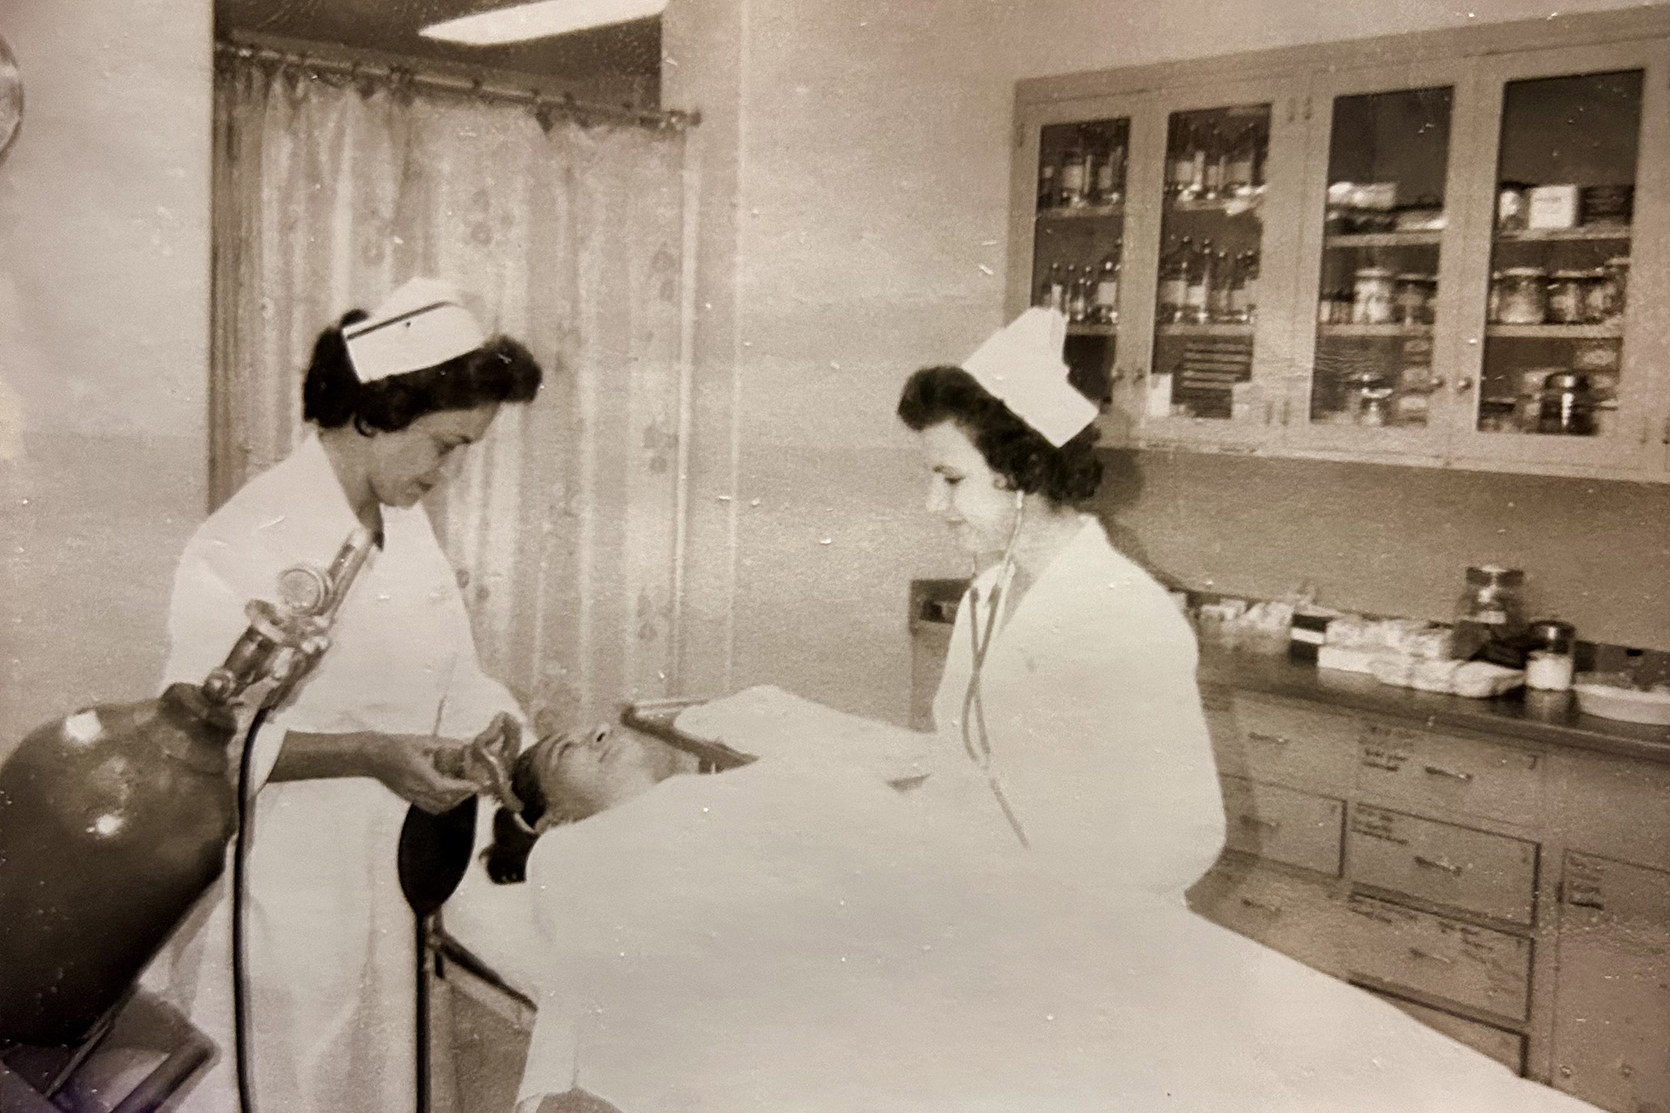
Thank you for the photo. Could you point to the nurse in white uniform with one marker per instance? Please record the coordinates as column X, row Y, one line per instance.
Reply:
column 1070, row 681
column 393, row 397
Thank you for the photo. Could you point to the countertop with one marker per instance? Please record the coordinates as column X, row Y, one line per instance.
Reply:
column 1545, row 717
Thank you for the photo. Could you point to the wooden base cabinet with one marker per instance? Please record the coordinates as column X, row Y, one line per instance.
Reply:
column 1514, row 895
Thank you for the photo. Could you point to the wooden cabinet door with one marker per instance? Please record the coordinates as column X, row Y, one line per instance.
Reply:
column 1612, row 985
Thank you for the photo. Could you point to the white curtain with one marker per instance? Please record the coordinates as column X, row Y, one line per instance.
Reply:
column 563, row 524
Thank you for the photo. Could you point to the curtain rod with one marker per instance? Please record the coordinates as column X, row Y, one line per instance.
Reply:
column 386, row 74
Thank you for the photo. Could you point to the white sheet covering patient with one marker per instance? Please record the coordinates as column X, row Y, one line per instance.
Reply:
column 797, row 935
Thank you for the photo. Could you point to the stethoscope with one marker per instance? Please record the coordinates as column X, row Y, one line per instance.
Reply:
column 976, row 739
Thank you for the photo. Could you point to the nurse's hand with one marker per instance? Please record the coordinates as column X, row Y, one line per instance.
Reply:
column 406, row 764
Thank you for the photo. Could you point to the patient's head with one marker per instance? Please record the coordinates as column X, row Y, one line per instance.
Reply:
column 583, row 774
column 564, row 778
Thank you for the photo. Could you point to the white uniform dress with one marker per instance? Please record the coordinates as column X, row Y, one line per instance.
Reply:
column 331, row 938
column 1094, row 722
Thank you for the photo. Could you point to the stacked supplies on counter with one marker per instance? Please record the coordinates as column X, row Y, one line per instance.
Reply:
column 1410, row 653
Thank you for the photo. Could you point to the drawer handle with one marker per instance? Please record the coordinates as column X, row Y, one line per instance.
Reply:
column 1439, row 864
column 1440, row 771
column 1260, row 821
column 1272, row 909
column 1272, row 739
column 1419, row 953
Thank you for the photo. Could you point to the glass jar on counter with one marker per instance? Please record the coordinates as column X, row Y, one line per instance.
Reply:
column 1373, row 297
column 1567, row 297
column 1521, row 296
column 1490, row 609
column 1549, row 658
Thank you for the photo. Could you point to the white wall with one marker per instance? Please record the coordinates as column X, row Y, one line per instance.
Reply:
column 104, row 327
column 865, row 148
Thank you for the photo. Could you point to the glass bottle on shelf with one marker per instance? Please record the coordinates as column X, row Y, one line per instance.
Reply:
column 1072, row 177
column 1219, row 284
column 1053, row 294
column 1238, row 170
column 1199, row 281
column 1196, row 184
column 1181, row 160
column 1107, row 289
column 1174, row 282
column 1212, row 173
column 1078, row 295
column 1113, row 167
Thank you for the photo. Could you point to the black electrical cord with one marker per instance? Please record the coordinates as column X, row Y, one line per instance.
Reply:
column 241, row 1023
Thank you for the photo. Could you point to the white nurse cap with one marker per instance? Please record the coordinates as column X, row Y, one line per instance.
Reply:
column 422, row 324
column 1022, row 366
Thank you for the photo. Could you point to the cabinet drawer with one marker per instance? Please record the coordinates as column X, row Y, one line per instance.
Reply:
column 1449, row 774
column 1493, row 875
column 1444, row 958
column 1283, row 824
column 1507, row 1048
column 1303, row 918
column 1281, row 743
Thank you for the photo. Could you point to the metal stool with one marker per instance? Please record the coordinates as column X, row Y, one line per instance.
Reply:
column 137, row 1061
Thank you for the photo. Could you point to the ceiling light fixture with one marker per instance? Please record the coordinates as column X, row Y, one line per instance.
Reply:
column 523, row 22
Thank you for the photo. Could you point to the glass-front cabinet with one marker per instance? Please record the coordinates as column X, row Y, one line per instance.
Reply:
column 1453, row 260
column 1384, row 218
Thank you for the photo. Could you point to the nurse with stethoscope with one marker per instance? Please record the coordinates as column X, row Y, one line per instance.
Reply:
column 393, row 397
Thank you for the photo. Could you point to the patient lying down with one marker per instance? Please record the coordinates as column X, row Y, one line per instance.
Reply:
column 792, row 937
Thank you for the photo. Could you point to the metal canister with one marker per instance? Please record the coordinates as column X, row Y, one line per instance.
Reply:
column 1568, row 405
column 1373, row 297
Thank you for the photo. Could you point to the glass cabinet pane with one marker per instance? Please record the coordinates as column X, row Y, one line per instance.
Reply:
column 1376, row 302
column 1560, row 259
column 1211, row 236
column 1078, row 241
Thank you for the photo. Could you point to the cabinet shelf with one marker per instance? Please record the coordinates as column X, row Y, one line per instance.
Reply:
column 1088, row 212
column 1554, row 332
column 1365, row 331
column 1421, row 238
column 1617, row 233
column 1213, row 329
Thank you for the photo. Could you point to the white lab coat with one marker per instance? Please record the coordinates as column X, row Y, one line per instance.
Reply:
column 1094, row 720
column 331, row 938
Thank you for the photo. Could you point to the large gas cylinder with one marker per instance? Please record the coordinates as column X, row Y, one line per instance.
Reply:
column 113, row 821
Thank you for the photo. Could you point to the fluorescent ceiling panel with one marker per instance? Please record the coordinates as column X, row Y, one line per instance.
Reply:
column 540, row 20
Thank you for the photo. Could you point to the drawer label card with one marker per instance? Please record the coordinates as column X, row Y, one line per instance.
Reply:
column 1376, row 824
column 1387, row 759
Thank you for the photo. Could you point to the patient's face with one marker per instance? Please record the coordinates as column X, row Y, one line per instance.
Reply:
column 584, row 773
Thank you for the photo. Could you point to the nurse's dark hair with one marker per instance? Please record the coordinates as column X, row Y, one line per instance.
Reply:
column 501, row 370
column 1010, row 447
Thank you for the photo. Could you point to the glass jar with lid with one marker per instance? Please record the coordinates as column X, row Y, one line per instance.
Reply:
column 1491, row 609
column 1567, row 297
column 1617, row 273
column 1414, row 297
column 1373, row 297
column 1522, row 296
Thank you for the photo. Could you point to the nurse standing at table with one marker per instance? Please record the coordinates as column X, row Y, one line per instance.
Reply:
column 394, row 396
